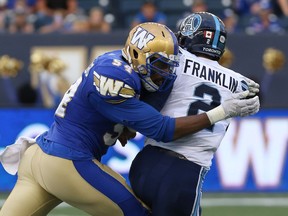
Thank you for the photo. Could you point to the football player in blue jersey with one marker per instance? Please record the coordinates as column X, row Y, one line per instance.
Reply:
column 64, row 165
column 168, row 176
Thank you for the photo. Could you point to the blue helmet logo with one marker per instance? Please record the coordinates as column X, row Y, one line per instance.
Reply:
column 190, row 25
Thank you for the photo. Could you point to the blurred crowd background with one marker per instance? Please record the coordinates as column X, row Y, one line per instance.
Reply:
column 39, row 38
column 81, row 16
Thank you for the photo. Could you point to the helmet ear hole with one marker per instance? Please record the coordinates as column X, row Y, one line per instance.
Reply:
column 135, row 53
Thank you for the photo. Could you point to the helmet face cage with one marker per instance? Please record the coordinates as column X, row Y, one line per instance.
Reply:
column 203, row 33
column 164, row 67
column 151, row 49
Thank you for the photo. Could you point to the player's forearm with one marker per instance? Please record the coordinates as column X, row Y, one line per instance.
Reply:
column 190, row 124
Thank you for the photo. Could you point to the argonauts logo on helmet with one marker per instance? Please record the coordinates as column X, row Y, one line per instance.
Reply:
column 191, row 24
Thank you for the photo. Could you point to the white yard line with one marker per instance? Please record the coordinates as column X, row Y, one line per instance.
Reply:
column 245, row 201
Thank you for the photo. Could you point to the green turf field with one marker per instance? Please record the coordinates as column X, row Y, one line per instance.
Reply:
column 217, row 204
column 245, row 204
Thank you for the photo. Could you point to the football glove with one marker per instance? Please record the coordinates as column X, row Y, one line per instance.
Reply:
column 237, row 105
column 253, row 87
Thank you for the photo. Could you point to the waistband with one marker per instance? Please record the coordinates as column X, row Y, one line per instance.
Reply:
column 168, row 152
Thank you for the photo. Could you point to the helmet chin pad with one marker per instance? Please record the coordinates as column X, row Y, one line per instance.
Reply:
column 149, row 85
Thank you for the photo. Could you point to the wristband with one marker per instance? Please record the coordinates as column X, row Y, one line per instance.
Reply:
column 216, row 114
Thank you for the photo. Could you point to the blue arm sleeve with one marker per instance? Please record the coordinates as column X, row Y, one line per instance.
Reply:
column 138, row 116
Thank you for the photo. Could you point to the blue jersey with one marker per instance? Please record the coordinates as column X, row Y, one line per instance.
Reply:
column 95, row 109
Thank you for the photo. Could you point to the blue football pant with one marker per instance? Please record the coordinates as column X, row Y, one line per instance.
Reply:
column 169, row 185
column 44, row 181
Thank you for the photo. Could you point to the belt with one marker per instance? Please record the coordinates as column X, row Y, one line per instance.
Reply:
column 170, row 152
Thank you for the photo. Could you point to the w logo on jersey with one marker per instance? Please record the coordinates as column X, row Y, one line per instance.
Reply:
column 141, row 37
column 107, row 86
column 112, row 88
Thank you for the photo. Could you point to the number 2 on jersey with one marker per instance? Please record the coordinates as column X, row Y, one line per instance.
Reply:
column 201, row 91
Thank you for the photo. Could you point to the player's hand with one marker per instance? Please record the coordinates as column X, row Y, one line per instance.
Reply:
column 253, row 87
column 239, row 105
column 126, row 135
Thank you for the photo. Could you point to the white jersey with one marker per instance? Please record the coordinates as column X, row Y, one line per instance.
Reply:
column 201, row 85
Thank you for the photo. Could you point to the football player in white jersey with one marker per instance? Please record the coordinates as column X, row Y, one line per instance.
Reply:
column 168, row 177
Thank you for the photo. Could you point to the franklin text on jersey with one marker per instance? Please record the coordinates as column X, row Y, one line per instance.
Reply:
column 211, row 74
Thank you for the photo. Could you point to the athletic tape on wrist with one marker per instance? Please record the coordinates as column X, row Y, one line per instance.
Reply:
column 216, row 114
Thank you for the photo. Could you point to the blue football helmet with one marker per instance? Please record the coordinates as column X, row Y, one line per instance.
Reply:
column 203, row 33
column 152, row 51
